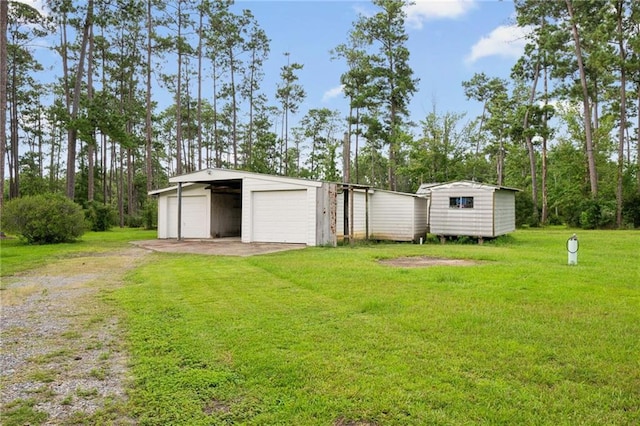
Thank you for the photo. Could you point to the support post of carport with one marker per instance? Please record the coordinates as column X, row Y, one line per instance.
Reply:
column 179, row 211
column 346, row 234
column 366, row 214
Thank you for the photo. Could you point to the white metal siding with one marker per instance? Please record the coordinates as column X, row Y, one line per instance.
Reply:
column 163, row 219
column 392, row 217
column 505, row 212
column 475, row 222
column 280, row 216
column 420, row 217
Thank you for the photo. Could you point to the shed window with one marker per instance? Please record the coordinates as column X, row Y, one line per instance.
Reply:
column 461, row 202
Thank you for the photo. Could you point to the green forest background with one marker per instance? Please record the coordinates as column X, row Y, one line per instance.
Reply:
column 563, row 128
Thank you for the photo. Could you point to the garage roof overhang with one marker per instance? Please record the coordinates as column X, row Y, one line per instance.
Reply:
column 226, row 175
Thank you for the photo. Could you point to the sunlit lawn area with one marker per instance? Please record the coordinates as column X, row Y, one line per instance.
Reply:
column 16, row 256
column 328, row 336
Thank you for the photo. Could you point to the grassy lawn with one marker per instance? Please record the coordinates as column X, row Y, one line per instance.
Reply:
column 16, row 256
column 328, row 336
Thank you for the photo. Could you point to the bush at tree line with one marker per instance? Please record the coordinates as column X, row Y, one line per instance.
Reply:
column 101, row 217
column 44, row 219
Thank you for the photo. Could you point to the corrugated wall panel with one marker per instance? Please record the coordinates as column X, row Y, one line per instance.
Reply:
column 420, row 217
column 505, row 212
column 392, row 216
column 476, row 222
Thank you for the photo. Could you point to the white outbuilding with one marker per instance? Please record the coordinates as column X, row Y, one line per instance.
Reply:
column 219, row 203
column 473, row 209
column 377, row 214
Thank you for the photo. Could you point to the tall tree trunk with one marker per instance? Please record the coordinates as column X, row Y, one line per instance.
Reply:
column 73, row 133
column 40, row 141
column 14, row 166
column 65, row 63
column 188, row 152
column 357, row 148
column 148, row 131
column 105, row 170
column 545, row 197
column 623, row 111
column 92, row 142
column 3, row 93
column 346, row 148
column 392, row 151
column 65, row 75
column 234, row 109
column 179, row 96
column 588, row 129
column 531, row 148
column 120, row 187
column 131, row 210
column 216, row 136
column 113, row 170
column 500, row 168
column 199, row 112
column 285, row 123
column 53, row 173
column 251, row 107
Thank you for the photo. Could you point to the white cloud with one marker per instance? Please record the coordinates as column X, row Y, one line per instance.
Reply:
column 507, row 41
column 424, row 10
column 363, row 10
column 332, row 93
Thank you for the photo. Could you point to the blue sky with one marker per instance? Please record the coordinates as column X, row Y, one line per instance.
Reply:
column 449, row 41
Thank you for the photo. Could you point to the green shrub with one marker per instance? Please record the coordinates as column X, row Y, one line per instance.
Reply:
column 554, row 219
column 524, row 211
column 631, row 210
column 43, row 219
column 150, row 214
column 134, row 221
column 101, row 217
column 597, row 214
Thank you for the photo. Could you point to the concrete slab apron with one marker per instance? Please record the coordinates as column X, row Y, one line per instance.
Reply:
column 218, row 247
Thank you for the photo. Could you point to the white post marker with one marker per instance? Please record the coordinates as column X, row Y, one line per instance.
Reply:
column 572, row 249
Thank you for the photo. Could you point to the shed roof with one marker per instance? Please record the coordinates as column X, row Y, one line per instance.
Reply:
column 215, row 174
column 167, row 189
column 427, row 188
column 228, row 175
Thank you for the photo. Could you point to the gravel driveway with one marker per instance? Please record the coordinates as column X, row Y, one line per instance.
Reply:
column 62, row 360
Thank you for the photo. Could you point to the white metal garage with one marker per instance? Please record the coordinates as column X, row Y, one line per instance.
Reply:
column 280, row 216
column 219, row 203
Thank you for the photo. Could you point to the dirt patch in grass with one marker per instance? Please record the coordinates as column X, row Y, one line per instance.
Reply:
column 425, row 261
column 348, row 422
column 62, row 356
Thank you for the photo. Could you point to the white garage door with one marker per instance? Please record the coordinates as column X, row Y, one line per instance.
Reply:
column 195, row 223
column 280, row 216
